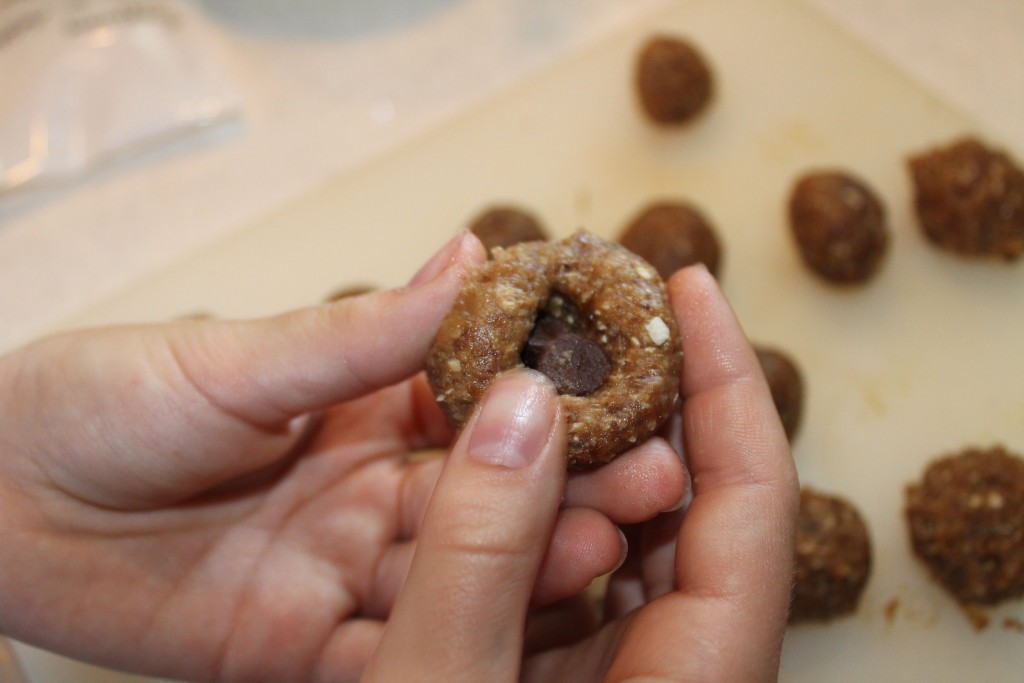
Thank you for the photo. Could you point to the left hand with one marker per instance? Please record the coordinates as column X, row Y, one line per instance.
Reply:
column 233, row 501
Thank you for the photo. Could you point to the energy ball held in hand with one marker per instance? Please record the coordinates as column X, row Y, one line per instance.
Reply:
column 588, row 313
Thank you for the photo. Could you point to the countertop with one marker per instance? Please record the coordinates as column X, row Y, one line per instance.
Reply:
column 328, row 89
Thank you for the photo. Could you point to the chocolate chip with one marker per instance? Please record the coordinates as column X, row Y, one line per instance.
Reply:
column 545, row 330
column 577, row 365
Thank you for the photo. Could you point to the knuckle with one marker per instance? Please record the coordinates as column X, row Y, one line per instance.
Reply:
column 480, row 533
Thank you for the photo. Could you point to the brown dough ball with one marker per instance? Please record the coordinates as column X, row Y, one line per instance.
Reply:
column 786, row 384
column 535, row 293
column 673, row 80
column 833, row 558
column 966, row 520
column 503, row 226
column 970, row 199
column 673, row 235
column 839, row 226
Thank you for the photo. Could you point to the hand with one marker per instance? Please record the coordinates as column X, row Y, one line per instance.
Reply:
column 705, row 592
column 229, row 501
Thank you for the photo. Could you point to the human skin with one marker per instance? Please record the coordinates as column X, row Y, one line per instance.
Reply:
column 236, row 501
column 704, row 593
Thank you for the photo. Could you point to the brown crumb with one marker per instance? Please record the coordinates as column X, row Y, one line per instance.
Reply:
column 979, row 620
column 891, row 609
column 1013, row 624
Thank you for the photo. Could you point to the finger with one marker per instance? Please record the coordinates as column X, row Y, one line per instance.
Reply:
column 625, row 591
column 744, row 479
column 349, row 649
column 659, row 551
column 229, row 399
column 581, row 662
column 268, row 371
column 561, row 623
column 584, row 545
column 634, row 487
column 734, row 549
column 462, row 611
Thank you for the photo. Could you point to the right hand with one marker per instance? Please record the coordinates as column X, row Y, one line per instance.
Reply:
column 704, row 595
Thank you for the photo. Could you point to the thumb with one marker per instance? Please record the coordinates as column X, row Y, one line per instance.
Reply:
column 270, row 370
column 157, row 413
column 462, row 611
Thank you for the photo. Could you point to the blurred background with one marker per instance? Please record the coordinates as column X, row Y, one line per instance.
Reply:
column 321, row 86
column 300, row 92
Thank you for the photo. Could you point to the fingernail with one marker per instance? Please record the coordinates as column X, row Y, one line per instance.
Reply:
column 683, row 502
column 515, row 420
column 439, row 261
column 687, row 497
column 623, row 553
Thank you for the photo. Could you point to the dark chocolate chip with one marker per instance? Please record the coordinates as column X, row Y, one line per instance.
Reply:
column 577, row 365
column 547, row 329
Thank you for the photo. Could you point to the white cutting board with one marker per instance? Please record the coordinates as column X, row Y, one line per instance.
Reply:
column 922, row 361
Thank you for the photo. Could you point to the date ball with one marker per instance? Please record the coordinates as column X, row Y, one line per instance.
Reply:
column 786, row 384
column 673, row 80
column 673, row 235
column 839, row 226
column 503, row 226
column 833, row 558
column 969, row 199
column 966, row 519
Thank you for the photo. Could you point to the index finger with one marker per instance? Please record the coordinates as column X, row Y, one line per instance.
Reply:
column 726, row 619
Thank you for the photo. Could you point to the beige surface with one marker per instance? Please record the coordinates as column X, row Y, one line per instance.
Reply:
column 10, row 672
column 314, row 108
column 922, row 361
